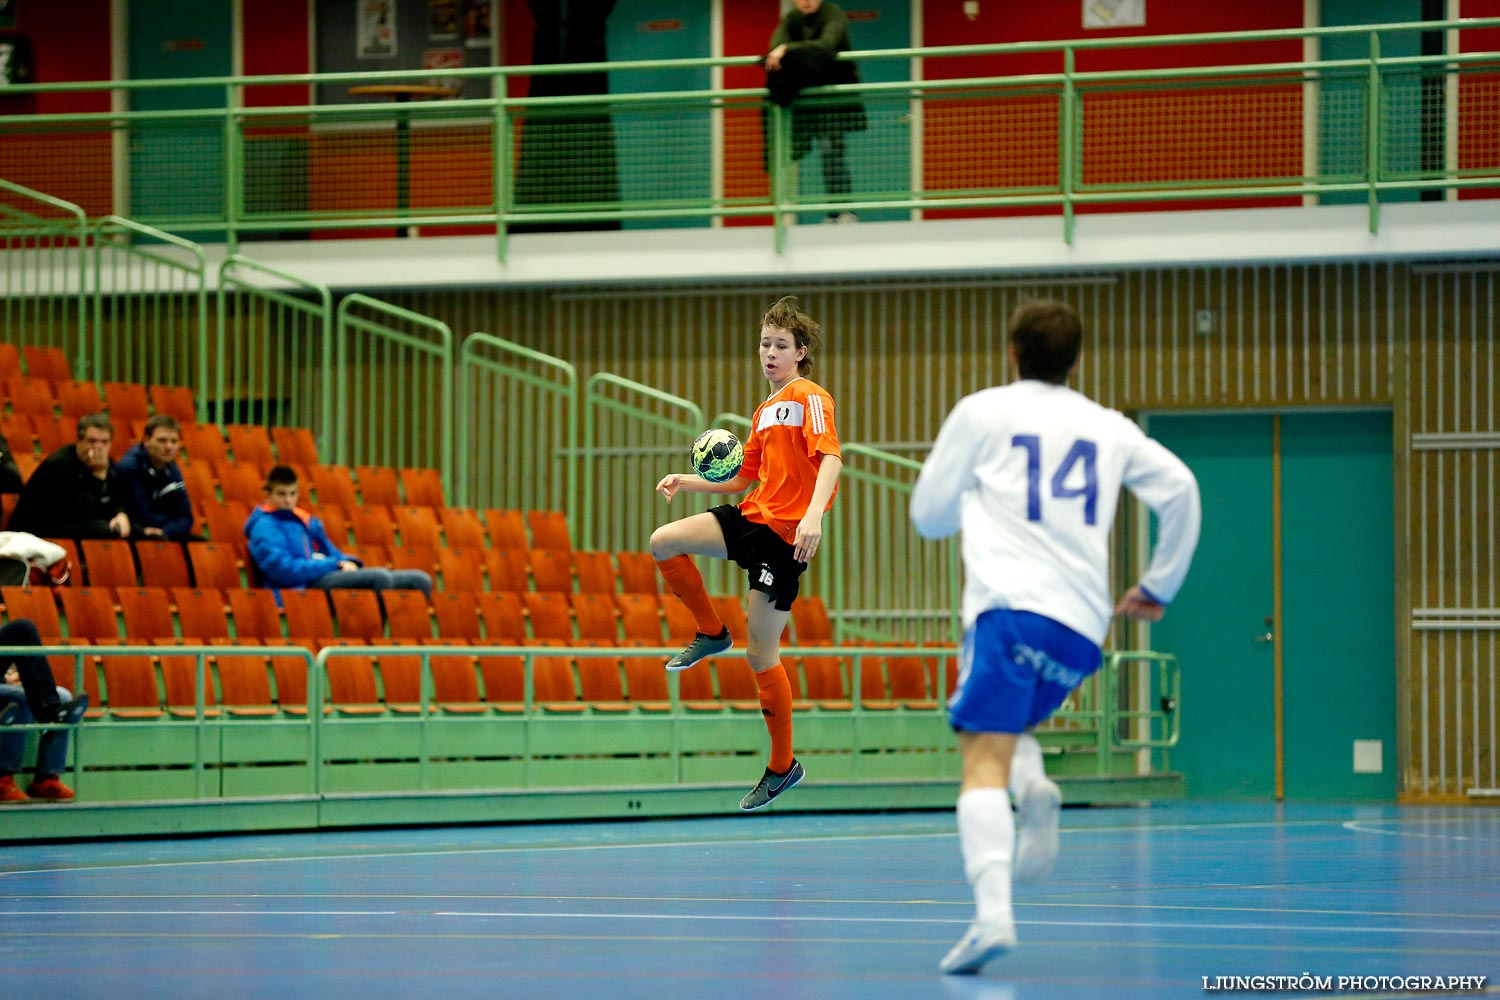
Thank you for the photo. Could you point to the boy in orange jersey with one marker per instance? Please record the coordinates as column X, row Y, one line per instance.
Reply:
column 792, row 457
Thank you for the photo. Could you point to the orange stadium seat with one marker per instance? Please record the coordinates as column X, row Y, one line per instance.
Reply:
column 333, row 484
column 595, row 572
column 48, row 362
column 406, row 614
column 10, row 360
column 506, row 569
column 250, row 443
column 351, row 684
column 461, row 570
column 79, row 399
column 418, row 526
column 242, row 481
column 147, row 612
column 551, row 570
column 109, row 562
column 214, row 565
column 245, row 684
column 126, row 401
column 377, row 485
column 504, row 683
column 413, row 557
column 202, row 487
column 38, row 604
column 357, row 614
column 599, row 684
column 308, row 614
column 65, row 671
column 34, row 397
column 462, row 528
column 640, row 618
column 19, row 434
column 335, row 524
column 874, row 693
column 256, row 616
column 204, row 443
column 811, row 622
column 423, row 487
column 594, row 617
column 646, row 683
column 373, row 525
column 457, row 615
column 176, row 401
column 290, row 672
column 455, row 684
column 825, row 682
column 638, row 574
column 503, row 616
column 225, row 520
column 179, row 675
column 53, row 433
column 163, row 564
column 134, row 692
column 554, row 684
column 295, row 446
column 200, row 610
column 550, row 615
column 681, row 625
column 549, row 530
column 507, row 528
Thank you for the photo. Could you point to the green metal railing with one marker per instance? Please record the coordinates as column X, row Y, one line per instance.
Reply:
column 517, row 416
column 395, row 371
column 1069, row 138
column 274, row 359
column 43, row 248
column 150, row 308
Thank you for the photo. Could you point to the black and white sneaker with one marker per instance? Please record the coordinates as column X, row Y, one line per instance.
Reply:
column 701, row 646
column 70, row 713
column 771, row 785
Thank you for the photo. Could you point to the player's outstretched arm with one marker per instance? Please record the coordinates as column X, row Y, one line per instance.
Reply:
column 1140, row 606
column 684, row 482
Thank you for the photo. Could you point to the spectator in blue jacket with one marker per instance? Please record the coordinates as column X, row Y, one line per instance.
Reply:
column 156, row 498
column 291, row 549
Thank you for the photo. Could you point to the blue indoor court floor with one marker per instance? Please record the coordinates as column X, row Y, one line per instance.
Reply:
column 1145, row 903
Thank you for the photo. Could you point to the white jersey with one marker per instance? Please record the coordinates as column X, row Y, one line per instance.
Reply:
column 1031, row 472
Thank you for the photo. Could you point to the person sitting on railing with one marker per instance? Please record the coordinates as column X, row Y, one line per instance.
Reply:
column 75, row 493
column 30, row 694
column 292, row 550
column 156, row 498
column 1032, row 472
column 804, row 53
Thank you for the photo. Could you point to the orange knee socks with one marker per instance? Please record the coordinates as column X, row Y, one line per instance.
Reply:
column 776, row 707
column 684, row 580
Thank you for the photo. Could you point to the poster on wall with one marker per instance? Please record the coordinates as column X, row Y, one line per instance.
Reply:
column 442, row 20
column 477, row 24
column 375, row 30
column 1114, row 13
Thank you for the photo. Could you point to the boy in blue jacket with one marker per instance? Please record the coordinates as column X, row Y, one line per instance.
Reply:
column 291, row 549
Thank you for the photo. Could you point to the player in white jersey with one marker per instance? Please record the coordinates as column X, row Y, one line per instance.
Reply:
column 1031, row 474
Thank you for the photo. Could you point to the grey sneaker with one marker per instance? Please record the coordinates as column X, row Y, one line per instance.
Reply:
column 70, row 713
column 771, row 785
column 980, row 943
column 701, row 646
column 1036, row 835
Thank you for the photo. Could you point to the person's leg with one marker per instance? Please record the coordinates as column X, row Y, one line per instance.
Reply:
column 672, row 546
column 987, row 836
column 36, row 675
column 364, row 578
column 1038, row 805
column 836, row 179
column 783, row 770
column 12, row 743
column 411, row 579
column 52, row 760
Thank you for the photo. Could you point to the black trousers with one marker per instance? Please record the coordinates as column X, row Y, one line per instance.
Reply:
column 36, row 675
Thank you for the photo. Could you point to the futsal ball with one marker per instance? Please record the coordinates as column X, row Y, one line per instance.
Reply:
column 717, row 455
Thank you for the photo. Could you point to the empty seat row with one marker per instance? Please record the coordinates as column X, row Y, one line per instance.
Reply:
column 140, row 686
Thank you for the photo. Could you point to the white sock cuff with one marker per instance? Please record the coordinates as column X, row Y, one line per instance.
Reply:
column 987, row 830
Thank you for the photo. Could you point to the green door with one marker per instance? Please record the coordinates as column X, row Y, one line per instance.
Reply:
column 1336, row 632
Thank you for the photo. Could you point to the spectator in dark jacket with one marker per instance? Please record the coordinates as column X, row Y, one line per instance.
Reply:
column 74, row 493
column 156, row 498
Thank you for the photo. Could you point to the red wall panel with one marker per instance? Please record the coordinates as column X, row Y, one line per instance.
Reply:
column 1479, row 99
column 747, row 30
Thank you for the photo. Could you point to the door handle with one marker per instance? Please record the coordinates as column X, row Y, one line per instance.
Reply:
column 1264, row 637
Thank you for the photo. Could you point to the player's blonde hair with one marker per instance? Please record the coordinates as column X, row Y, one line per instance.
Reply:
column 785, row 315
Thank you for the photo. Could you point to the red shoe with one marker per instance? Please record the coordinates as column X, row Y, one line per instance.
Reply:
column 9, row 792
column 50, row 788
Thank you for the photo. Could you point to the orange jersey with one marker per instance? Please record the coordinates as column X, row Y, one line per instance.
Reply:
column 791, row 429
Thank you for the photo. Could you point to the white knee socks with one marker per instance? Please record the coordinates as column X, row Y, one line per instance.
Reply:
column 987, row 835
column 1025, row 764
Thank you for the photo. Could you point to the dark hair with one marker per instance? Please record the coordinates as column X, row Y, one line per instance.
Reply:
column 95, row 421
column 162, row 420
column 280, row 475
column 1046, row 336
column 805, row 330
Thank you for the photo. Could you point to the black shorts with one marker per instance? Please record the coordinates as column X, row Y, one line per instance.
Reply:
column 772, row 568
